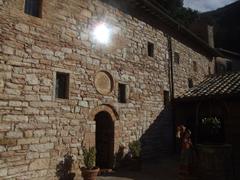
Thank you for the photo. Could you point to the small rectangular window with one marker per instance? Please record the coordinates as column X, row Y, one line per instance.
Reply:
column 122, row 95
column 221, row 68
column 62, row 85
column 209, row 70
column 229, row 66
column 190, row 83
column 166, row 97
column 194, row 66
column 176, row 57
column 150, row 49
column 33, row 7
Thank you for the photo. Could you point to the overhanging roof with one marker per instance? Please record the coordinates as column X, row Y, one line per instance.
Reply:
column 229, row 54
column 216, row 86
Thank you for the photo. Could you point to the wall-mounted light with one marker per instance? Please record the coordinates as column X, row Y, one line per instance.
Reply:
column 102, row 33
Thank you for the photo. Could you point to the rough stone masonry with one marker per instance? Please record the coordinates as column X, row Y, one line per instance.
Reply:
column 36, row 128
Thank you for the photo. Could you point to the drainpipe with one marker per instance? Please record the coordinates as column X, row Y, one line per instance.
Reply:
column 171, row 85
column 170, row 67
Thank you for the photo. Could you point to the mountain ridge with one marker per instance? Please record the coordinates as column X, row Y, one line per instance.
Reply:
column 226, row 21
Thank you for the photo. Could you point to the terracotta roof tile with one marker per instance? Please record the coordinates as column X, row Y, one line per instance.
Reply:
column 217, row 85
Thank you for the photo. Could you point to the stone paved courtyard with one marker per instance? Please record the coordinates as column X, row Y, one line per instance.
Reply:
column 155, row 170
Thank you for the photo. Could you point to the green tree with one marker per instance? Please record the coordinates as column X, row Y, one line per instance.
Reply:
column 175, row 9
column 185, row 15
column 175, row 4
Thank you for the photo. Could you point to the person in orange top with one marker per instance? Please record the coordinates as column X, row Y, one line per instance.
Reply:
column 186, row 152
column 179, row 138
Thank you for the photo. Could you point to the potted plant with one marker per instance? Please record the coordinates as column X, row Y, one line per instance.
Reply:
column 211, row 130
column 134, row 155
column 90, row 171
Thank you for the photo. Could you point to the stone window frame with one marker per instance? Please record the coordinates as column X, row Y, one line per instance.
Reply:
column 127, row 92
column 209, row 70
column 58, row 70
column 190, row 83
column 150, row 49
column 166, row 97
column 40, row 8
column 229, row 66
column 176, row 57
column 195, row 67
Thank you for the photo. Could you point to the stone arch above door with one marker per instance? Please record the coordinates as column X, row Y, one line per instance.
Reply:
column 114, row 116
column 106, row 108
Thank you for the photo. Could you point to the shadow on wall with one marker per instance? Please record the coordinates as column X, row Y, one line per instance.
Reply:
column 157, row 141
column 157, row 150
column 63, row 169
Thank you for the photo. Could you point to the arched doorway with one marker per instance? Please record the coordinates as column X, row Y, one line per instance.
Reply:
column 104, row 140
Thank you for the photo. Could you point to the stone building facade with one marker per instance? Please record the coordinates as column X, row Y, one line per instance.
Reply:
column 36, row 128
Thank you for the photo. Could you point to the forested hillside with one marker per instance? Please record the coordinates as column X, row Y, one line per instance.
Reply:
column 226, row 21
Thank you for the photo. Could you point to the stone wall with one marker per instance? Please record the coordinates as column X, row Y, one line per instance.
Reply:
column 184, row 70
column 37, row 129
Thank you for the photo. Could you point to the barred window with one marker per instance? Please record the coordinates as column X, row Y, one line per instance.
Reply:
column 166, row 97
column 33, row 7
column 190, row 83
column 62, row 85
column 150, row 49
column 229, row 66
column 122, row 94
column 195, row 69
column 176, row 58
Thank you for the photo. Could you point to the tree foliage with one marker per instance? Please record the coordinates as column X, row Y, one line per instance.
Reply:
column 135, row 148
column 176, row 10
column 185, row 15
column 89, row 157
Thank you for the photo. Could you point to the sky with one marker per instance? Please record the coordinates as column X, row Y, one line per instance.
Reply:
column 206, row 5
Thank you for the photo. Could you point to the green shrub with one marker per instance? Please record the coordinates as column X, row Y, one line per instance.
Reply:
column 211, row 130
column 135, row 148
column 89, row 156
